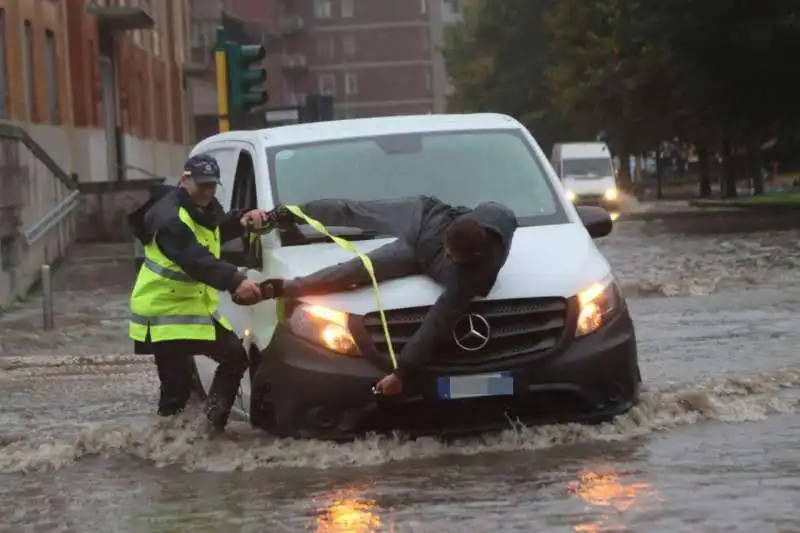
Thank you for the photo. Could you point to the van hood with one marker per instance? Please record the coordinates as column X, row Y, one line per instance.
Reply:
column 544, row 261
column 588, row 185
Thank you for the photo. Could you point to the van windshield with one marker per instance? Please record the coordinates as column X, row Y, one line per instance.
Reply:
column 463, row 168
column 587, row 168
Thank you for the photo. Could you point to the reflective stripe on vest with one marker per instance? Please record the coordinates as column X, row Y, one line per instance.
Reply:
column 168, row 273
column 176, row 320
column 166, row 303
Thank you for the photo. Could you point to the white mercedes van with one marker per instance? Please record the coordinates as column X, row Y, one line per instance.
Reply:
column 561, row 344
column 587, row 173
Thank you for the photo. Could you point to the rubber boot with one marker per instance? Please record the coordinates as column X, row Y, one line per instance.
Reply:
column 220, row 399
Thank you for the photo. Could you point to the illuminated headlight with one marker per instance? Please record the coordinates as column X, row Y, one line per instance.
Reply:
column 572, row 196
column 611, row 194
column 596, row 304
column 323, row 326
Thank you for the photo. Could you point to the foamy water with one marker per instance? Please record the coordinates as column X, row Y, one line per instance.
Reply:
column 677, row 265
column 173, row 441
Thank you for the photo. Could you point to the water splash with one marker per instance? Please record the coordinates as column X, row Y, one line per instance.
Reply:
column 173, row 441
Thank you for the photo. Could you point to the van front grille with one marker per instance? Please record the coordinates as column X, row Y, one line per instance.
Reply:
column 518, row 329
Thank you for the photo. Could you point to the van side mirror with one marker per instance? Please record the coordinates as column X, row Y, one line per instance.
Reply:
column 596, row 220
column 236, row 253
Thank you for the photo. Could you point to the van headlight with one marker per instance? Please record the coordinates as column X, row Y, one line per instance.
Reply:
column 571, row 196
column 326, row 327
column 596, row 303
column 611, row 194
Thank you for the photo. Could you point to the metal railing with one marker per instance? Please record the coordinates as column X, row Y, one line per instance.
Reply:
column 36, row 189
column 38, row 202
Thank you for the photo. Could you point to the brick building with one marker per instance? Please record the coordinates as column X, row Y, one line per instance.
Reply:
column 106, row 102
column 376, row 57
column 129, row 101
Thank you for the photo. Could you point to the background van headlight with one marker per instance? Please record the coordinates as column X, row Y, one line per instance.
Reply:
column 596, row 304
column 571, row 196
column 325, row 327
column 611, row 194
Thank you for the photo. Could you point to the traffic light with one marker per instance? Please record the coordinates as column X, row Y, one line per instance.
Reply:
column 246, row 77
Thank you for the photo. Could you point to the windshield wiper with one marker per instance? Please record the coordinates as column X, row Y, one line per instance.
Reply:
column 305, row 234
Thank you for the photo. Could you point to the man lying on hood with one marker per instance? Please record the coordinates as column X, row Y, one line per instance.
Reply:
column 461, row 249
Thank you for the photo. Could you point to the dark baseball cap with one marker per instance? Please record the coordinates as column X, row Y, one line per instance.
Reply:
column 202, row 169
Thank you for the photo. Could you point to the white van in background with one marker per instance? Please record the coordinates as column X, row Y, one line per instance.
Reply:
column 587, row 173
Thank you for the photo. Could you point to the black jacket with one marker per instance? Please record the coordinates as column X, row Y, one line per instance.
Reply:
column 419, row 224
column 158, row 218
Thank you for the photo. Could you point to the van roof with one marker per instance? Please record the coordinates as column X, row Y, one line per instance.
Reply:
column 587, row 149
column 365, row 127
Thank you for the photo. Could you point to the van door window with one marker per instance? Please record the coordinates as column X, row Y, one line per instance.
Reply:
column 244, row 197
column 244, row 184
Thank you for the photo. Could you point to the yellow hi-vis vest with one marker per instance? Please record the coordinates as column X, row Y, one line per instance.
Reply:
column 167, row 303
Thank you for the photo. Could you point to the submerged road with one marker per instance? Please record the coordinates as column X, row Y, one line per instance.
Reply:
column 712, row 447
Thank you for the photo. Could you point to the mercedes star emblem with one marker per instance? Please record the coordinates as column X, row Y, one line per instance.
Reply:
column 472, row 332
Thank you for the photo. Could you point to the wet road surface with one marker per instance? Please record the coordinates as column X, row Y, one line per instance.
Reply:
column 712, row 447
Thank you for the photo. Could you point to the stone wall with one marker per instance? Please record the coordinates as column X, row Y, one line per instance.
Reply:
column 104, row 208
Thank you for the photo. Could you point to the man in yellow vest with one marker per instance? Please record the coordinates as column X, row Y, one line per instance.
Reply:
column 174, row 303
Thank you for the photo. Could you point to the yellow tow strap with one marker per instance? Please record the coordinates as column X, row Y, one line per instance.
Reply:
column 348, row 246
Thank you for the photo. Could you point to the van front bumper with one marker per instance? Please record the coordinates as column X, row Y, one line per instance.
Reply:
column 302, row 390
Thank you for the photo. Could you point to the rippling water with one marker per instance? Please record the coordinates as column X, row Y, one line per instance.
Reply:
column 712, row 446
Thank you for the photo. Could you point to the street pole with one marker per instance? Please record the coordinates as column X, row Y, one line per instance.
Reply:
column 222, row 83
column 47, row 297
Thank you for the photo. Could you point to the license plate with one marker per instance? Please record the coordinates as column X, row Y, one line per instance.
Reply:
column 477, row 386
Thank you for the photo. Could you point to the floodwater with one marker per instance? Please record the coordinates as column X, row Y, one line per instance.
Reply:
column 713, row 446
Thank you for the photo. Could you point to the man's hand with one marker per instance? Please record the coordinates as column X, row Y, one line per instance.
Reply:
column 391, row 385
column 247, row 293
column 280, row 216
column 256, row 217
column 271, row 288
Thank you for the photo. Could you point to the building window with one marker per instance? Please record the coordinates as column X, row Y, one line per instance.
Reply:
column 30, row 71
column 158, row 27
column 160, row 133
column 348, row 44
column 351, row 84
column 326, row 46
column 327, row 84
column 180, row 36
column 52, row 76
column 347, row 9
column 428, row 80
column 423, row 6
column 144, row 112
column 323, row 9
column 3, row 76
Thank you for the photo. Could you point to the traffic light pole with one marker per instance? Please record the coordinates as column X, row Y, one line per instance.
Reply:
column 222, row 84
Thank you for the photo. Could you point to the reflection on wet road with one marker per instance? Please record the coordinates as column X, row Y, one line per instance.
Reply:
column 712, row 447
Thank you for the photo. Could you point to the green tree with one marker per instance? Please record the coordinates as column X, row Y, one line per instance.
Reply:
column 721, row 75
column 496, row 59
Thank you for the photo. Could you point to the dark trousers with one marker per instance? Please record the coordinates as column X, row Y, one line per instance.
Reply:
column 174, row 361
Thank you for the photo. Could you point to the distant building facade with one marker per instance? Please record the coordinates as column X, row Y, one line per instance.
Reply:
column 376, row 57
column 104, row 101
